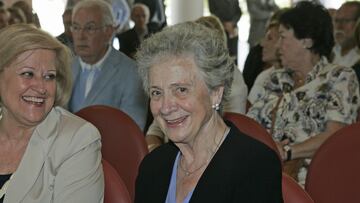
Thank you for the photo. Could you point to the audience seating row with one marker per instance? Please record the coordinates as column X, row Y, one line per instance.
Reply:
column 123, row 143
column 333, row 175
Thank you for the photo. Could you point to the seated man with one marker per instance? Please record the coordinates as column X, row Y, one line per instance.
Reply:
column 345, row 51
column 103, row 75
column 131, row 39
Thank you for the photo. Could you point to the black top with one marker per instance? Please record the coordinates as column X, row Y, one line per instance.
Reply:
column 130, row 42
column 3, row 179
column 253, row 66
column 242, row 170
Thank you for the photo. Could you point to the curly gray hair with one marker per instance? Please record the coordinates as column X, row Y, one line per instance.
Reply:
column 205, row 45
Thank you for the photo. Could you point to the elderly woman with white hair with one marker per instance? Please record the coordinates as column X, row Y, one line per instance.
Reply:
column 188, row 77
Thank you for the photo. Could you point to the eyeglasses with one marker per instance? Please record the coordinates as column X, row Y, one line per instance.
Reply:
column 89, row 29
column 344, row 20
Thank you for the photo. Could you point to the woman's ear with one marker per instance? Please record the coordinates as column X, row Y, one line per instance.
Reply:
column 307, row 43
column 217, row 94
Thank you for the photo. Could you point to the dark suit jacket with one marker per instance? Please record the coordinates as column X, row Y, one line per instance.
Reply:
column 225, row 10
column 129, row 40
column 242, row 170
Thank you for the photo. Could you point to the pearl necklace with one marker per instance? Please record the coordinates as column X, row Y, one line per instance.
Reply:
column 188, row 173
column 4, row 187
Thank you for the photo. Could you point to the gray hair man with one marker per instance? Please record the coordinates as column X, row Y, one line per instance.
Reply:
column 102, row 74
column 345, row 51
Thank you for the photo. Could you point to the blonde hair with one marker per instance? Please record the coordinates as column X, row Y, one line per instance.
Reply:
column 19, row 38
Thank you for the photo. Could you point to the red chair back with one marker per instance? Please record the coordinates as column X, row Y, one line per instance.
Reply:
column 334, row 172
column 123, row 143
column 115, row 189
column 252, row 128
column 293, row 192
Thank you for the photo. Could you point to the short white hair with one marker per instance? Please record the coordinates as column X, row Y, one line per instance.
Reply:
column 105, row 8
column 145, row 9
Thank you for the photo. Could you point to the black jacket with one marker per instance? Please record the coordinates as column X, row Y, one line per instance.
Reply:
column 242, row 170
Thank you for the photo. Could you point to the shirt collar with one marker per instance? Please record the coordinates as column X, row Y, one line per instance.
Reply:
column 98, row 64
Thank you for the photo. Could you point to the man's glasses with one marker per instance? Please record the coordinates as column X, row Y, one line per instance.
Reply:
column 89, row 29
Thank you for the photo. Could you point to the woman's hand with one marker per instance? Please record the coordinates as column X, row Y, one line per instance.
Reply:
column 280, row 147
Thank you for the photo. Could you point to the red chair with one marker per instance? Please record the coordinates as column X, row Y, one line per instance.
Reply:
column 115, row 188
column 293, row 192
column 252, row 128
column 334, row 172
column 123, row 143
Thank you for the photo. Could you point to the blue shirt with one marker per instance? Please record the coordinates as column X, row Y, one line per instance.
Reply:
column 171, row 195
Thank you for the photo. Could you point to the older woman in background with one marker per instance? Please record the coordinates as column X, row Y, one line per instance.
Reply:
column 270, row 55
column 236, row 101
column 309, row 98
column 46, row 153
column 188, row 77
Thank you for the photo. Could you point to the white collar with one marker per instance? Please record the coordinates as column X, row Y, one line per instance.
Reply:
column 97, row 65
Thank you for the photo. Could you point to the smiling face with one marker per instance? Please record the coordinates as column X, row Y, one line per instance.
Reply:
column 28, row 87
column 180, row 100
column 90, row 46
column 291, row 49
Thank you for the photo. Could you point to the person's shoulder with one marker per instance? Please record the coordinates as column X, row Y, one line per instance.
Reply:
column 75, row 130
column 246, row 146
column 164, row 154
column 118, row 58
column 333, row 70
column 126, row 33
column 69, row 136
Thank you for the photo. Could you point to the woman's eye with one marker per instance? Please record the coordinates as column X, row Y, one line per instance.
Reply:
column 50, row 77
column 27, row 74
column 182, row 90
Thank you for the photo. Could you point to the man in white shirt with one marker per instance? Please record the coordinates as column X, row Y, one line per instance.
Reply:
column 102, row 74
column 345, row 52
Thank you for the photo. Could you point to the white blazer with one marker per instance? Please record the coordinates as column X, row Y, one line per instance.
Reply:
column 62, row 163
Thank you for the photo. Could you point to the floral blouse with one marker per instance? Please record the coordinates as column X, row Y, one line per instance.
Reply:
column 330, row 93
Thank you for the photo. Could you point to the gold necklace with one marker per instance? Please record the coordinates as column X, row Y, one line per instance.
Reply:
column 4, row 187
column 188, row 173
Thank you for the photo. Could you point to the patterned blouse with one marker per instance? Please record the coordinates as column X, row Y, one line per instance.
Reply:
column 330, row 93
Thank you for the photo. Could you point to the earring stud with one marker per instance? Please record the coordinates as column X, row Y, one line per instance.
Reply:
column 216, row 106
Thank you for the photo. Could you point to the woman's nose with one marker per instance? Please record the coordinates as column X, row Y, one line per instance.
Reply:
column 39, row 85
column 168, row 104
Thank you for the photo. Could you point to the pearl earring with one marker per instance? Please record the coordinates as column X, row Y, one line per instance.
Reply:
column 216, row 106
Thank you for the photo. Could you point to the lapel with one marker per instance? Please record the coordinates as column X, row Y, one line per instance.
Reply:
column 33, row 160
column 76, row 67
column 108, row 70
